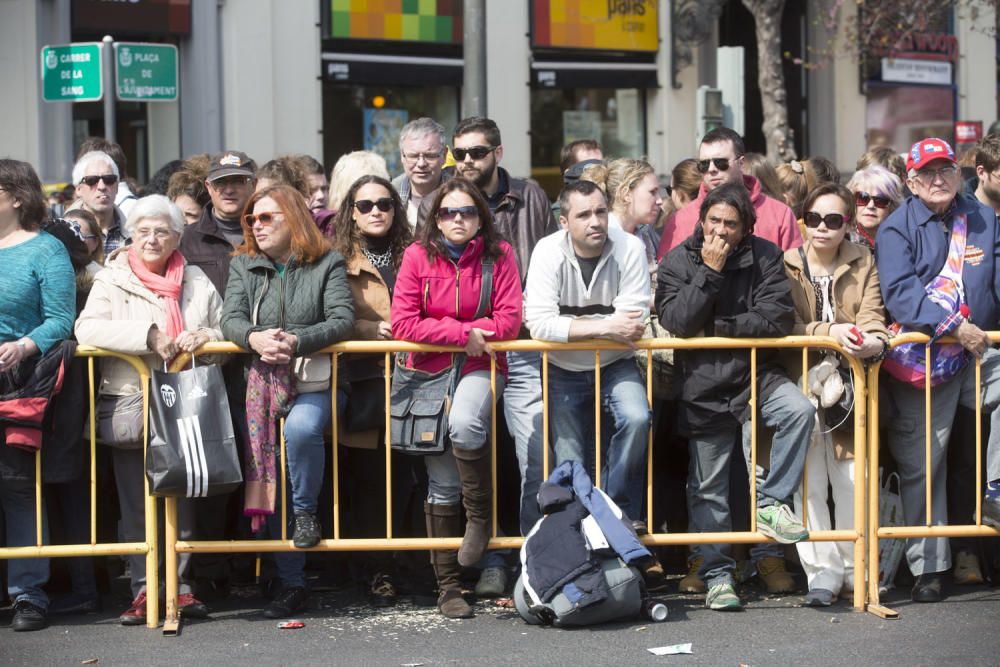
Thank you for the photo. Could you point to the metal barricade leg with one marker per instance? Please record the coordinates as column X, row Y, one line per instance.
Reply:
column 171, row 622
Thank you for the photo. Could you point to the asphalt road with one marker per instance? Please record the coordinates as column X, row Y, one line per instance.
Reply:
column 342, row 629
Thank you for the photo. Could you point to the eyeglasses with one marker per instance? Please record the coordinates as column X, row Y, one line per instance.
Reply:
column 450, row 213
column 861, row 199
column 833, row 221
column 235, row 181
column 266, row 219
column 91, row 181
column 721, row 163
column 427, row 157
column 931, row 175
column 365, row 206
column 159, row 234
column 475, row 152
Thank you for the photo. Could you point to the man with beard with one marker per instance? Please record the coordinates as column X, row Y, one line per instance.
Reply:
column 96, row 178
column 522, row 216
column 988, row 171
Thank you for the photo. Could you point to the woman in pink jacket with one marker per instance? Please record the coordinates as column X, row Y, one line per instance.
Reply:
column 435, row 301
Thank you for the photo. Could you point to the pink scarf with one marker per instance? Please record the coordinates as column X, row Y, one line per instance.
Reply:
column 167, row 286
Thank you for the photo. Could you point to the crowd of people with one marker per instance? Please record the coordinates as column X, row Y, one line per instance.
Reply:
column 284, row 263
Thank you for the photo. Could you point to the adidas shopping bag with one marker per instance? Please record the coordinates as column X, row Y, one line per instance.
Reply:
column 192, row 448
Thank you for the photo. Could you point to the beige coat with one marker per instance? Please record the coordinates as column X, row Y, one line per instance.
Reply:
column 857, row 299
column 120, row 310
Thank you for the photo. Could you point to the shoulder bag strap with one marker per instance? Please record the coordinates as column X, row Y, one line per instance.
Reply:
column 485, row 290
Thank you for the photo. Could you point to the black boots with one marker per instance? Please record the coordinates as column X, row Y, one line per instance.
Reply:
column 445, row 521
column 477, row 496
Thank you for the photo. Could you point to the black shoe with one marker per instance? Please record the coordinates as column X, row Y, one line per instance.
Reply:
column 306, row 530
column 286, row 604
column 991, row 510
column 75, row 603
column 928, row 588
column 383, row 592
column 188, row 606
column 28, row 617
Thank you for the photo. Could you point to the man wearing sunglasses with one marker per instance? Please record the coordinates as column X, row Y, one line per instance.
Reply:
column 721, row 157
column 938, row 258
column 209, row 242
column 422, row 150
column 96, row 178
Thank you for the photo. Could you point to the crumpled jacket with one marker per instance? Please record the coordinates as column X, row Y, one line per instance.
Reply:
column 120, row 310
column 434, row 302
column 775, row 221
column 312, row 301
column 749, row 298
column 204, row 246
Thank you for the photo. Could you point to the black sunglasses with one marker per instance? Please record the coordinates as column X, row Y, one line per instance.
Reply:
column 91, row 181
column 721, row 163
column 862, row 199
column 365, row 206
column 833, row 221
column 476, row 152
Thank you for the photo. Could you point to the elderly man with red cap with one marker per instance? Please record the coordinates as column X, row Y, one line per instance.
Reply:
column 938, row 258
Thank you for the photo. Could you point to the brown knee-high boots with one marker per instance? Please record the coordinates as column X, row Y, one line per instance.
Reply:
column 477, row 496
column 446, row 521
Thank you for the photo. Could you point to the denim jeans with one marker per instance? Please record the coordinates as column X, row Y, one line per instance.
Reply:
column 305, row 457
column 25, row 576
column 468, row 428
column 906, row 442
column 522, row 408
column 623, row 398
column 792, row 416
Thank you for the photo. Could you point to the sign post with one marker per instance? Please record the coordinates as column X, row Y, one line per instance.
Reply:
column 109, row 99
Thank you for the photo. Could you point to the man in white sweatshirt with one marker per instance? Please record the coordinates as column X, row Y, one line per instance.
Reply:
column 584, row 282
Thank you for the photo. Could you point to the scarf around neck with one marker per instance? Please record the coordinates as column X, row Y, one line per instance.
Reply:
column 167, row 286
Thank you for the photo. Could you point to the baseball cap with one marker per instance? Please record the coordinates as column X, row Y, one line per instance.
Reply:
column 231, row 163
column 926, row 150
column 574, row 173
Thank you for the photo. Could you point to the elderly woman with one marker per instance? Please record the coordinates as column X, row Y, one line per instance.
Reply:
column 877, row 193
column 36, row 311
column 835, row 288
column 287, row 298
column 371, row 232
column 435, row 302
column 148, row 302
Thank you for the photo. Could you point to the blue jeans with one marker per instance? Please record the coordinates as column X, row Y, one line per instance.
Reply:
column 25, row 576
column 792, row 416
column 305, row 456
column 522, row 408
column 623, row 397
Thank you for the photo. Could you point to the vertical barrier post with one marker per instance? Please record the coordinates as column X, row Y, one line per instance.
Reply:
column 649, row 442
column 597, row 418
column 335, row 427
column 93, row 451
column 38, row 498
column 388, row 446
column 805, row 470
column 545, row 414
column 493, row 439
column 284, row 484
column 979, row 443
column 171, row 622
column 753, row 439
column 860, row 466
column 152, row 542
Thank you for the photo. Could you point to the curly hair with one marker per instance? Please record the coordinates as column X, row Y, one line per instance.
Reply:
column 346, row 237
column 431, row 238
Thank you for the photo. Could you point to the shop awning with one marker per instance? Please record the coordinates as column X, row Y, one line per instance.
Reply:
column 391, row 70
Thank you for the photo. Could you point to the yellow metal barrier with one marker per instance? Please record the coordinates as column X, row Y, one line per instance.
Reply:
column 94, row 548
column 387, row 348
column 877, row 531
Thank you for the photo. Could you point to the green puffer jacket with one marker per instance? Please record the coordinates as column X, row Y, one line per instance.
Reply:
column 312, row 301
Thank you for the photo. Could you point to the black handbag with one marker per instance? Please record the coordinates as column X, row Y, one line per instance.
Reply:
column 365, row 405
column 419, row 402
column 192, row 445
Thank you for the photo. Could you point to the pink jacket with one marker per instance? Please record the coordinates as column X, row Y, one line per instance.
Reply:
column 775, row 221
column 434, row 301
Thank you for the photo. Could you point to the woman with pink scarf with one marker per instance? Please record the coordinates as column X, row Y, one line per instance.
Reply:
column 148, row 302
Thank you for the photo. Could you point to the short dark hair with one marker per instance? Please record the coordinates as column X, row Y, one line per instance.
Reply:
column 720, row 134
column 735, row 195
column 830, row 188
column 988, row 152
column 568, row 157
column 346, row 237
column 431, row 238
column 288, row 170
column 579, row 187
column 310, row 165
column 471, row 124
column 21, row 182
column 160, row 181
column 113, row 150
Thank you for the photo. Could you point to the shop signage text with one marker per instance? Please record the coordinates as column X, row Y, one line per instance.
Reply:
column 909, row 70
column 146, row 72
column 72, row 73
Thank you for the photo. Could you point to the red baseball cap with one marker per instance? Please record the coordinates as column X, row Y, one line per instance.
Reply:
column 929, row 149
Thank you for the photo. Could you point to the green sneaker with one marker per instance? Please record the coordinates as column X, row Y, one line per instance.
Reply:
column 779, row 522
column 723, row 597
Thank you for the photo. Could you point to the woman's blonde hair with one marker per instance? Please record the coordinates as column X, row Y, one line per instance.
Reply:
column 617, row 177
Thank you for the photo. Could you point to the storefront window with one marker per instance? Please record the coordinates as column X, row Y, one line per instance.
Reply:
column 370, row 118
column 614, row 117
column 898, row 116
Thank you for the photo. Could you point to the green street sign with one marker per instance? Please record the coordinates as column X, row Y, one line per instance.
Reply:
column 72, row 73
column 145, row 72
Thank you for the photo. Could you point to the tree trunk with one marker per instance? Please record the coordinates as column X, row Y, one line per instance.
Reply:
column 771, row 79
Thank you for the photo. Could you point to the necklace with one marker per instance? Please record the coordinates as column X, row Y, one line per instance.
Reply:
column 380, row 260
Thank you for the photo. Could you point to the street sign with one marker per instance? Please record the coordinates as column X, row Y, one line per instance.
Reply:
column 145, row 72
column 72, row 73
